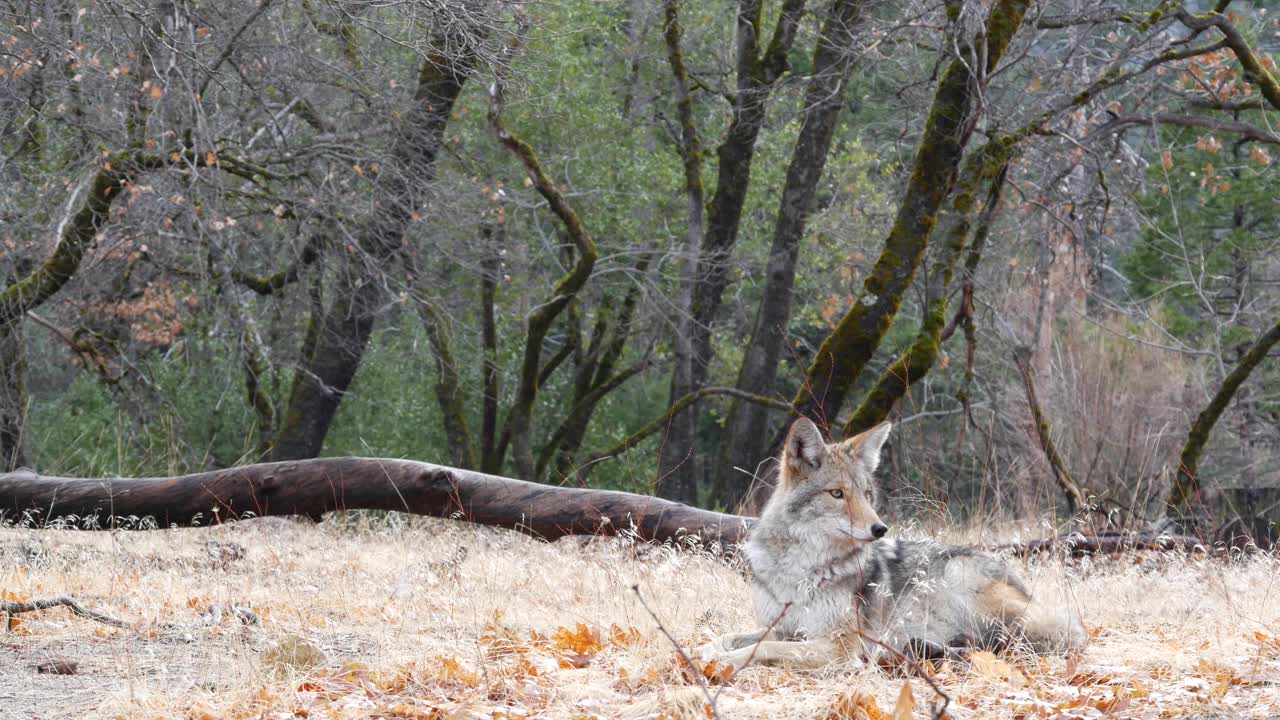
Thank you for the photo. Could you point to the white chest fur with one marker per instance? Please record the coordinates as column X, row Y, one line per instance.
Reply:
column 802, row 586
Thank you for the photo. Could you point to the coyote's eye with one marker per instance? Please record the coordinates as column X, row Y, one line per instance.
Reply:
column 837, row 493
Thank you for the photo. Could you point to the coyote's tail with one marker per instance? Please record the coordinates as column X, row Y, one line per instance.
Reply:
column 1053, row 629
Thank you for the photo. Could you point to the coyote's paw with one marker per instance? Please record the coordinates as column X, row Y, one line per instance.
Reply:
column 723, row 653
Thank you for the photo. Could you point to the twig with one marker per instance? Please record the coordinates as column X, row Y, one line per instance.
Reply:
column 935, row 713
column 785, row 607
column 702, row 682
column 14, row 608
column 211, row 616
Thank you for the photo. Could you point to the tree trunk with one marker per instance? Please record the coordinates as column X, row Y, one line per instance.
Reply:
column 13, row 398
column 1022, row 356
column 659, row 424
column 748, row 422
column 848, row 349
column 342, row 334
column 449, row 392
column 677, row 463
column 25, row 294
column 757, row 73
column 538, row 323
column 78, row 232
column 313, row 487
column 1187, row 481
column 989, row 164
column 490, row 266
column 595, row 378
column 450, row 395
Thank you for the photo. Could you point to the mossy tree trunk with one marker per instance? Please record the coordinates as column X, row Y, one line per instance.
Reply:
column 36, row 287
column 1187, row 481
column 451, row 396
column 253, row 356
column 490, row 266
column 596, row 374
column 13, row 398
column 678, row 467
column 342, row 333
column 1255, row 67
column 448, row 388
column 78, row 234
column 823, row 101
column 1022, row 356
column 988, row 165
column 758, row 68
column 948, row 127
column 516, row 430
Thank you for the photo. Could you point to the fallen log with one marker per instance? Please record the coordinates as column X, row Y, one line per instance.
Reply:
column 313, row 487
column 1077, row 545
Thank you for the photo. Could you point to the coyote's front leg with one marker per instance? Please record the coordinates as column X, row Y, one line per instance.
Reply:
column 740, row 649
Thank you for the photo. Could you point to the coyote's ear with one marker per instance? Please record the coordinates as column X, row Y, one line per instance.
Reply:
column 804, row 449
column 865, row 446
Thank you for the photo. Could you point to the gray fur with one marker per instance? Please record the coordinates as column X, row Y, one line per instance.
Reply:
column 828, row 588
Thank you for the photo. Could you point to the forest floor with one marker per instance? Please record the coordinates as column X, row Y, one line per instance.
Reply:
column 420, row 618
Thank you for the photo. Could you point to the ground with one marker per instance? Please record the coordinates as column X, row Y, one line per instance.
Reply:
column 374, row 617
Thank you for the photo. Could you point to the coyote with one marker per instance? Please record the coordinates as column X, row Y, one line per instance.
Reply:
column 828, row 586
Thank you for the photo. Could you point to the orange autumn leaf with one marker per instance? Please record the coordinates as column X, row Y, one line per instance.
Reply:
column 629, row 637
column 402, row 710
column 855, row 706
column 988, row 665
column 692, row 672
column 906, row 702
column 1209, row 144
column 200, row 711
column 581, row 640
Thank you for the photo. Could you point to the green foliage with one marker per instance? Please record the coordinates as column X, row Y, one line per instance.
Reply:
column 1211, row 227
column 391, row 409
column 75, row 432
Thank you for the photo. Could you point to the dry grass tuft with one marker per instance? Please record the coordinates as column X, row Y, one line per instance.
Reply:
column 434, row 619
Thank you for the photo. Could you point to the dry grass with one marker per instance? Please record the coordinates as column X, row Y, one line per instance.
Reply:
column 395, row 601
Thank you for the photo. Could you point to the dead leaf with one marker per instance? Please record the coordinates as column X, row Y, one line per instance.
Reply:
column 988, row 665
column 856, row 706
column 712, row 672
column 293, row 652
column 906, row 702
column 200, row 711
column 580, row 641
column 451, row 672
column 401, row 710
column 629, row 637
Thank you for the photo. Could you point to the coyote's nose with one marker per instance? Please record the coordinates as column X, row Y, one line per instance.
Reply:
column 878, row 530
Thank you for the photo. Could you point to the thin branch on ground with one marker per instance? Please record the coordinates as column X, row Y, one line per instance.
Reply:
column 15, row 608
column 697, row 672
column 936, row 712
